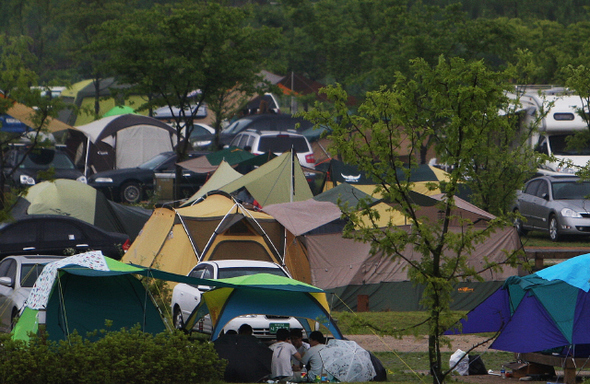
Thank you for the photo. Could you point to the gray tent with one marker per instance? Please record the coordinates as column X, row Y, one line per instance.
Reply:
column 347, row 268
column 120, row 141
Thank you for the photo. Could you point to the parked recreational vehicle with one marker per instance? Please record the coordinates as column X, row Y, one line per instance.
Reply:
column 561, row 121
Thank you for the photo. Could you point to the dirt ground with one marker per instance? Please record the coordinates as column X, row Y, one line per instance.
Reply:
column 463, row 342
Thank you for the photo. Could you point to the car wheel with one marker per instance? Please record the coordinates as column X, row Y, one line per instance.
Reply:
column 554, row 228
column 131, row 193
column 519, row 225
column 178, row 321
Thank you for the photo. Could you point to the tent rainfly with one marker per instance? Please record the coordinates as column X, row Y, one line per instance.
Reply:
column 280, row 180
column 215, row 228
column 66, row 197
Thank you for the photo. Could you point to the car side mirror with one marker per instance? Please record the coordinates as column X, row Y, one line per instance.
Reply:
column 6, row 281
column 545, row 196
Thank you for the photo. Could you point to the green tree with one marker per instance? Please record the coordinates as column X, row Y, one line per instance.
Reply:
column 458, row 103
column 16, row 82
column 187, row 56
column 82, row 20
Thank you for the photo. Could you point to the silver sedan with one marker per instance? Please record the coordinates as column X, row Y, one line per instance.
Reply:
column 559, row 205
column 17, row 277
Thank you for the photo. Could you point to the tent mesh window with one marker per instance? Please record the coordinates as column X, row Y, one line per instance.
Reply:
column 240, row 228
column 228, row 250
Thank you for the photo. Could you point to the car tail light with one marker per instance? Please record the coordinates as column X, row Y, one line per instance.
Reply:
column 310, row 158
column 126, row 245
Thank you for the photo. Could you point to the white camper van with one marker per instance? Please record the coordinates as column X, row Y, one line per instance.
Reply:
column 562, row 120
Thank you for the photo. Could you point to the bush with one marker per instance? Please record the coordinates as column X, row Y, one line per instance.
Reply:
column 126, row 356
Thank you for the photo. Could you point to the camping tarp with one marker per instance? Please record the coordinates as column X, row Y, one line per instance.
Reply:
column 66, row 197
column 210, row 162
column 421, row 176
column 80, row 293
column 547, row 310
column 280, row 180
column 288, row 297
column 26, row 115
column 216, row 228
column 82, row 95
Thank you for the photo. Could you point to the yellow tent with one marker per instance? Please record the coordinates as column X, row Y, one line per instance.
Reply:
column 216, row 228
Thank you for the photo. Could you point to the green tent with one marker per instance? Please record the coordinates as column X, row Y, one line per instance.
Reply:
column 119, row 110
column 71, row 198
column 84, row 291
column 263, row 293
column 280, row 180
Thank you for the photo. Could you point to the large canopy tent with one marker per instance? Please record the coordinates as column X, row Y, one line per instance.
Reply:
column 288, row 297
column 119, row 141
column 547, row 311
column 71, row 198
column 349, row 269
column 279, row 180
column 215, row 228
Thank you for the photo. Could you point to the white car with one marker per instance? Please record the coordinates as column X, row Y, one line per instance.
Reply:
column 17, row 277
column 185, row 297
column 277, row 142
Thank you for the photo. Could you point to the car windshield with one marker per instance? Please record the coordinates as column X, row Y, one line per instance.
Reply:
column 29, row 274
column 571, row 190
column 282, row 143
column 154, row 162
column 560, row 146
column 200, row 133
column 225, row 273
column 236, row 126
column 45, row 159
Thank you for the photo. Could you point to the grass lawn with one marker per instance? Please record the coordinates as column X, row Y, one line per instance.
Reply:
column 407, row 367
column 541, row 239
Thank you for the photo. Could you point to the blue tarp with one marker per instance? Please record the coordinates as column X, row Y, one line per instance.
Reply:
column 10, row 124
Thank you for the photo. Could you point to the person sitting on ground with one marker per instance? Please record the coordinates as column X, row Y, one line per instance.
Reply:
column 282, row 352
column 312, row 358
column 301, row 346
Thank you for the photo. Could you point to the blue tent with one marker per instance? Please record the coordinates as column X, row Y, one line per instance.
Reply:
column 547, row 310
column 12, row 125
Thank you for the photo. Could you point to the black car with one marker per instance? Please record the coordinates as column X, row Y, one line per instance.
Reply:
column 58, row 235
column 264, row 122
column 32, row 167
column 131, row 185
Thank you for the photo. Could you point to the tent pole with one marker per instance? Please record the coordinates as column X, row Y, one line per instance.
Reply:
column 214, row 234
column 195, row 250
column 245, row 211
column 87, row 156
column 292, row 191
